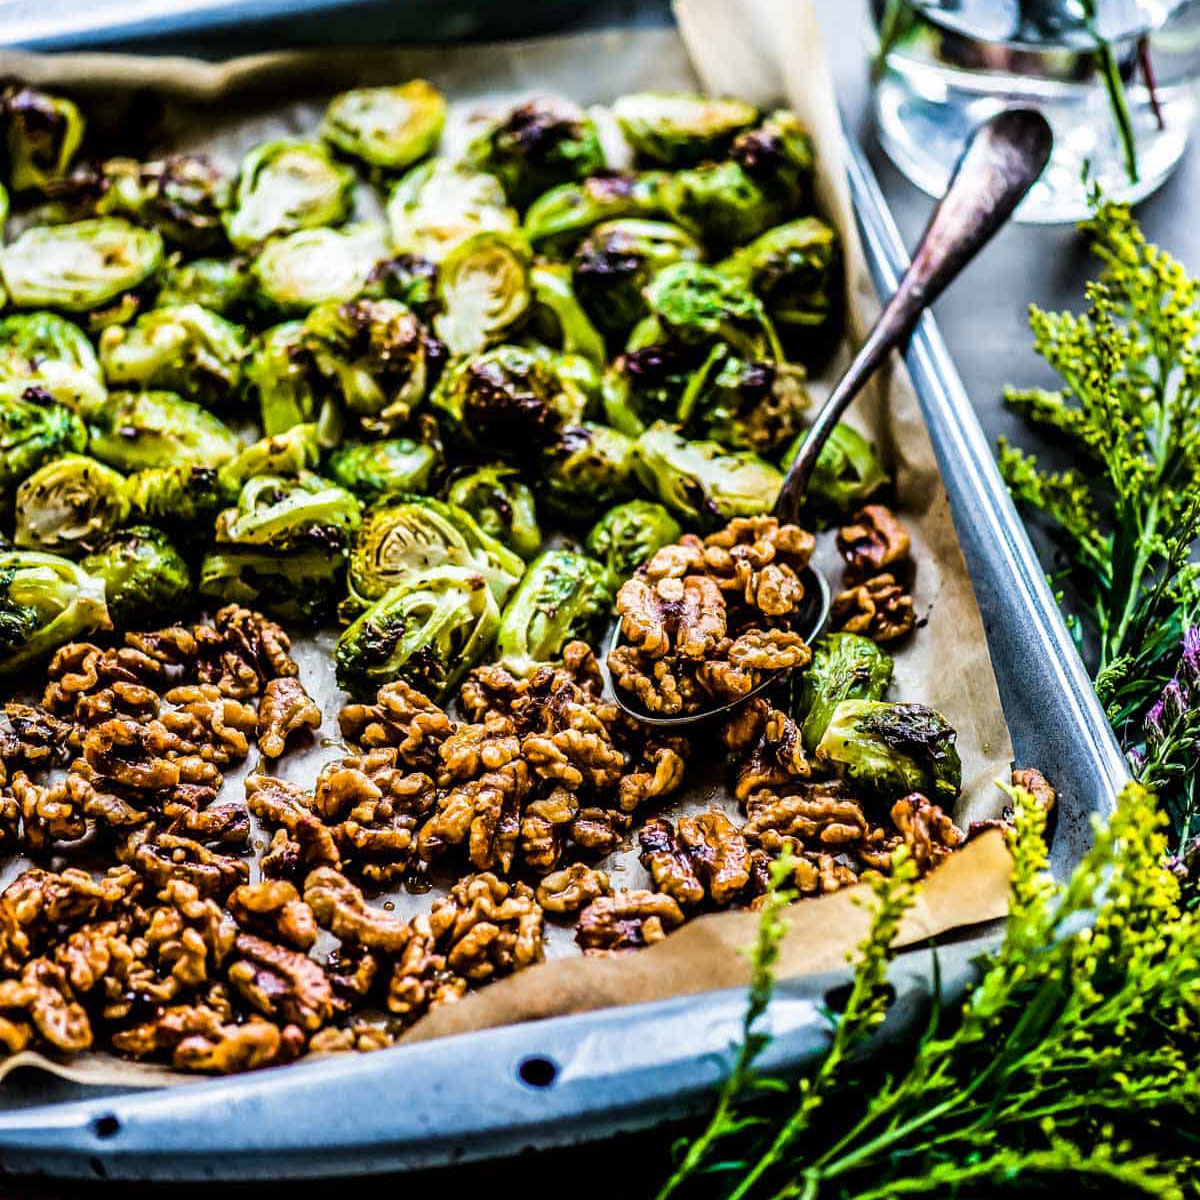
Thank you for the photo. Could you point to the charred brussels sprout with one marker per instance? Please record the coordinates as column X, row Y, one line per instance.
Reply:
column 376, row 358
column 48, row 352
column 68, row 504
column 537, row 145
column 408, row 278
column 888, row 750
column 221, row 285
column 290, row 514
column 441, row 203
column 137, row 430
column 280, row 371
column 386, row 127
column 629, row 535
column 295, row 273
column 412, row 534
column 847, row 471
column 502, row 506
column 702, row 480
column 301, row 586
column 79, row 266
column 483, row 288
column 844, row 667
column 778, row 155
column 678, row 129
column 287, row 185
column 45, row 601
column 562, row 596
column 618, row 259
column 587, row 468
column 145, row 577
column 723, row 205
column 288, row 453
column 188, row 350
column 374, row 469
column 755, row 406
column 32, row 432
column 42, row 133
column 557, row 220
column 177, row 496
column 558, row 318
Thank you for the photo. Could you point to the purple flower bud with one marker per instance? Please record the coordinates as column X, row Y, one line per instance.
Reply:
column 1136, row 759
column 1175, row 703
column 1189, row 659
column 1153, row 724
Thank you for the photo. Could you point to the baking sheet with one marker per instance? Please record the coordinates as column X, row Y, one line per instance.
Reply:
column 766, row 50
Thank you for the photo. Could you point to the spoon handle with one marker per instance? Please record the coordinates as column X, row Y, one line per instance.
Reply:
column 1000, row 164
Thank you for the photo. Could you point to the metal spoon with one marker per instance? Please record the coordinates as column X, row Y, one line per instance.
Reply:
column 1001, row 162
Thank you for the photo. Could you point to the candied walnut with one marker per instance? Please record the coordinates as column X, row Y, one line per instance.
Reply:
column 820, row 874
column 281, row 983
column 240, row 651
column 361, row 1036
column 104, row 955
column 285, row 708
column 599, row 830
column 582, row 756
column 685, row 615
column 170, row 647
column 199, row 1038
column 42, row 997
column 814, row 815
column 879, row 609
column 472, row 750
column 135, row 756
column 572, row 888
column 377, row 837
column 340, row 907
column 873, row 541
column 225, row 824
column 190, row 933
column 928, row 832
column 758, row 559
column 742, row 728
column 32, row 738
column 49, row 814
column 273, row 908
column 488, row 927
column 122, row 699
column 421, row 980
column 307, row 840
column 401, row 717
column 706, row 858
column 544, row 824
column 10, row 823
column 626, row 921
column 725, row 681
column 217, row 725
column 665, row 690
column 490, row 691
column 483, row 813
column 777, row 758
column 659, row 773
column 769, row 650
column 352, row 970
column 676, row 560
column 162, row 857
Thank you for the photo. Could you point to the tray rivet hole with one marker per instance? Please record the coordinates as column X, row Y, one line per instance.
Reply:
column 537, row 1071
column 106, row 1126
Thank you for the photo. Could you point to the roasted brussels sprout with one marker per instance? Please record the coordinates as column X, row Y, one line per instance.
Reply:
column 557, row 317
column 428, row 630
column 483, row 288
column 374, row 469
column 68, row 504
column 439, row 204
column 137, row 430
column 755, row 406
column 45, row 601
column 702, row 480
column 585, row 469
column 301, row 585
column 184, row 197
column 557, row 220
column 844, row 667
column 618, row 259
column 188, row 350
column 406, row 535
column 386, row 127
column 287, row 185
column 536, row 146
column 48, row 352
column 304, row 511
column 846, row 472
column 180, row 496
column 408, row 278
column 279, row 369
column 79, row 266
column 679, row 129
column 375, row 356
column 628, row 535
column 145, row 577
column 778, row 155
column 888, row 750
column 42, row 133
column 311, row 266
column 222, row 285
column 288, row 453
column 34, row 431
column 563, row 596
column 502, row 506
column 723, row 205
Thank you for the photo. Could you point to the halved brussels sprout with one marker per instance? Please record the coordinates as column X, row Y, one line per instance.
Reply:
column 312, row 266
column 42, row 133
column 136, row 430
column 32, row 432
column 618, row 259
column 145, row 577
column 68, row 504
column 188, row 350
column 557, row 220
column 408, row 278
column 287, row 185
column 184, row 197
column 222, row 285
column 483, row 289
column 280, row 370
column 375, row 356
column 288, row 453
column 290, row 514
column 374, row 469
column 563, row 596
column 680, row 129
column 587, row 468
column 755, row 405
column 723, row 205
column 778, row 155
column 888, row 750
column 629, row 535
column 48, row 352
column 702, row 480
column 386, row 127
column 79, row 266
column 558, row 318
column 176, row 496
column 45, row 601
column 440, row 203
column 502, row 505
column 846, row 473
column 411, row 534
column 301, row 586
column 844, row 667
column 428, row 630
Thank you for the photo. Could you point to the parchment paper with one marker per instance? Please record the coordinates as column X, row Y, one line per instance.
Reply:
column 767, row 51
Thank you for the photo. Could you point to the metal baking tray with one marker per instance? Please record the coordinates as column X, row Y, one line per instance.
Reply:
column 568, row 1079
